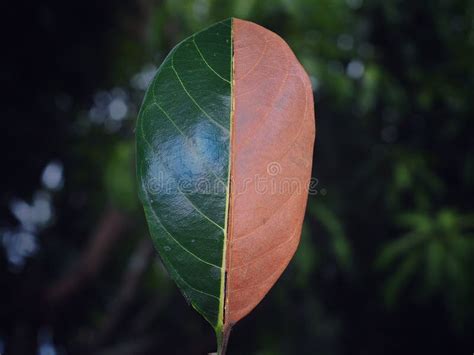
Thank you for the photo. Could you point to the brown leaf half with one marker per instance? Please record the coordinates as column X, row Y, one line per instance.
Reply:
column 273, row 132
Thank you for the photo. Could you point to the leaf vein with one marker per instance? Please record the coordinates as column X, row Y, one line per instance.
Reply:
column 193, row 99
column 181, row 192
column 205, row 61
column 274, row 212
column 159, row 221
column 155, row 102
column 257, row 257
column 184, row 281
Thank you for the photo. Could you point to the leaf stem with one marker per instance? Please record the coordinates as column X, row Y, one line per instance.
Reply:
column 222, row 340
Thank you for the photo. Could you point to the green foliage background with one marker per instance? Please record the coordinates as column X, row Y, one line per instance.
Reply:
column 386, row 260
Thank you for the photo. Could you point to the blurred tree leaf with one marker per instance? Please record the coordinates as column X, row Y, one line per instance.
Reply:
column 412, row 177
column 338, row 241
column 436, row 249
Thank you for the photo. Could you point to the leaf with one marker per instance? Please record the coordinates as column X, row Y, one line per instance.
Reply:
column 435, row 260
column 397, row 248
column 225, row 140
column 339, row 243
column 400, row 278
column 183, row 139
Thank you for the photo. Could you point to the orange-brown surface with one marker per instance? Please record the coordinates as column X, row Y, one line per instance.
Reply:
column 272, row 147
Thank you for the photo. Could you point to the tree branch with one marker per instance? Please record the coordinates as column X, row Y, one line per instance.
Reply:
column 110, row 227
column 137, row 265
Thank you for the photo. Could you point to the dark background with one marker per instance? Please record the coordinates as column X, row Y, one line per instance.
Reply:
column 385, row 265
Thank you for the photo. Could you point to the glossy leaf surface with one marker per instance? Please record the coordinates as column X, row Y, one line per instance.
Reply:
column 224, row 146
column 182, row 163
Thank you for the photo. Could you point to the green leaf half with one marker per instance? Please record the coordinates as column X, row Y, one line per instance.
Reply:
column 183, row 143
